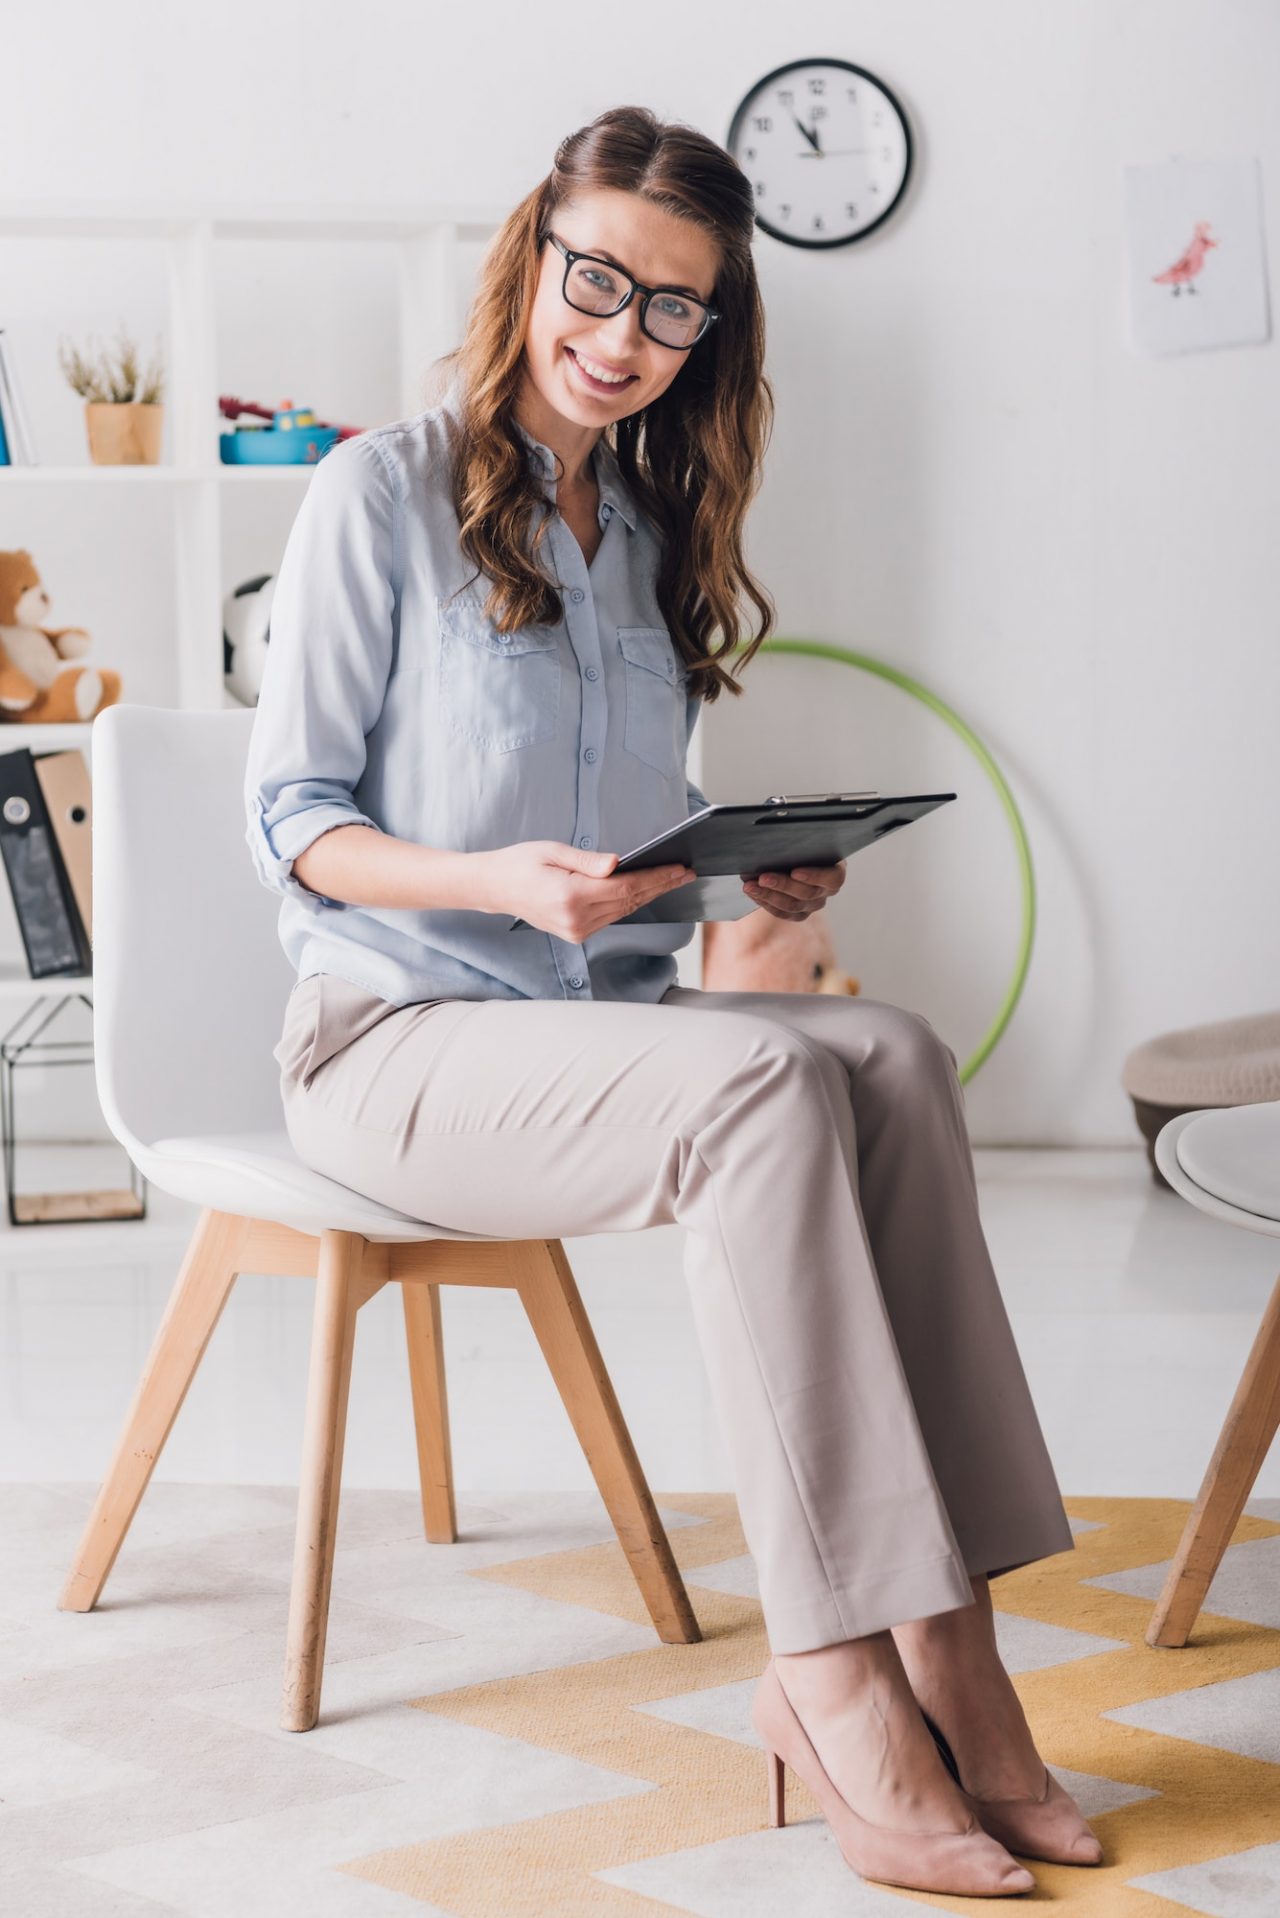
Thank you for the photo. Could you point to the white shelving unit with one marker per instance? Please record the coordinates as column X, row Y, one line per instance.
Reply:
column 427, row 239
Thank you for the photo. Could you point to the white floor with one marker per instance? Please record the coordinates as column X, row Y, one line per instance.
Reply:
column 1134, row 1314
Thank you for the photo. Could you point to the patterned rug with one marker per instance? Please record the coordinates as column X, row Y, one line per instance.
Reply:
column 503, row 1736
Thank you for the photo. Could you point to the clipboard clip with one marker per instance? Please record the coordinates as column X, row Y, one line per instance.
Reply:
column 796, row 799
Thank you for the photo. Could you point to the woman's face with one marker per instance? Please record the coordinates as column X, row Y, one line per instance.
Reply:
column 654, row 247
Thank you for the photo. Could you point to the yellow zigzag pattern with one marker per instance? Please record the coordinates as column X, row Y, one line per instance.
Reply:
column 1211, row 1802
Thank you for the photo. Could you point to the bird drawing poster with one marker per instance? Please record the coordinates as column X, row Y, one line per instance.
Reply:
column 1197, row 268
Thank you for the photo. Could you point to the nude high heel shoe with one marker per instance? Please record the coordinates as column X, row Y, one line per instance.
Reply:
column 1051, row 1826
column 968, row 1862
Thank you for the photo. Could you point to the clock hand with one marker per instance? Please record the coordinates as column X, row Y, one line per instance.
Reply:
column 827, row 153
column 812, row 138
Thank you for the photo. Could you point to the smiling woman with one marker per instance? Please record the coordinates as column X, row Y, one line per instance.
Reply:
column 492, row 631
column 645, row 332
column 597, row 376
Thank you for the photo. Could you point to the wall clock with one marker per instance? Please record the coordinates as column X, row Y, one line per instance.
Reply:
column 827, row 150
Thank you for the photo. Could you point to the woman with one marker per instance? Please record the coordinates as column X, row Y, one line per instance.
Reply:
column 492, row 628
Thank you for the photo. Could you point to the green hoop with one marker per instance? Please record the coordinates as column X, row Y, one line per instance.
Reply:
column 820, row 649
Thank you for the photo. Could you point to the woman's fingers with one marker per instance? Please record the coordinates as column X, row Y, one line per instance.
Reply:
column 782, row 886
column 803, row 882
column 827, row 879
column 783, row 905
column 796, row 894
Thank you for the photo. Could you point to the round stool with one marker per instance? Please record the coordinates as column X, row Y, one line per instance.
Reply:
column 1230, row 1063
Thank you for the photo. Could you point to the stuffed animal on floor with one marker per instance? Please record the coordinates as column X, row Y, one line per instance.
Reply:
column 35, row 684
column 760, row 953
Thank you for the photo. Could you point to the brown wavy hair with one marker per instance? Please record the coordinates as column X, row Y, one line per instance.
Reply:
column 692, row 457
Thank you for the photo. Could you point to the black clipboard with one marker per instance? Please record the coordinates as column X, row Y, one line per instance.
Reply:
column 725, row 844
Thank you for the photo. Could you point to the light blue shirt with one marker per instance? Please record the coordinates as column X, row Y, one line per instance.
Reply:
column 383, row 705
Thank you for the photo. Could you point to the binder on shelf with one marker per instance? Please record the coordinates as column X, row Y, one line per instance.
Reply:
column 7, row 429
column 68, row 797
column 13, row 419
column 53, row 933
column 8, row 425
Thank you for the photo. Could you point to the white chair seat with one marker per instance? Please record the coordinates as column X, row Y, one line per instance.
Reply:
column 190, row 990
column 1227, row 1162
column 259, row 1175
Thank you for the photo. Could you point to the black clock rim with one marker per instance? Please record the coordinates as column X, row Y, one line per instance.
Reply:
column 827, row 60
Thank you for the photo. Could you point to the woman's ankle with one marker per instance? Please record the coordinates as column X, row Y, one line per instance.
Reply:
column 865, row 1673
column 962, row 1625
column 876, row 1652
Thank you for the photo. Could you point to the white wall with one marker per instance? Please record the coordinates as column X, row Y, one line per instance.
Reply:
column 972, row 475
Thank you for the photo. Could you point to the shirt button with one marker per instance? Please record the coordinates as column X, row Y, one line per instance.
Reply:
column 590, row 755
column 585, row 839
column 577, row 595
column 575, row 981
column 592, row 673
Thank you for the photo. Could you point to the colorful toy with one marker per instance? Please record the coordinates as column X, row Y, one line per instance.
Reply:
column 36, row 686
column 294, row 438
column 760, row 953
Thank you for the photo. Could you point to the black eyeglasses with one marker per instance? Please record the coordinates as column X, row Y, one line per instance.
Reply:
column 597, row 286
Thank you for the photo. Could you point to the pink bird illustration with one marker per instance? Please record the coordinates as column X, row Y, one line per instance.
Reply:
column 1185, row 271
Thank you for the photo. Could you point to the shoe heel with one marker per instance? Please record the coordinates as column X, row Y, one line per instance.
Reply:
column 777, row 1788
column 967, row 1862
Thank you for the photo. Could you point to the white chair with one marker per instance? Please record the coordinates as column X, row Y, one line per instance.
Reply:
column 190, row 984
column 1227, row 1162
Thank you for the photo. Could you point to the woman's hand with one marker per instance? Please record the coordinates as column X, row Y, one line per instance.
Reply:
column 566, row 891
column 796, row 894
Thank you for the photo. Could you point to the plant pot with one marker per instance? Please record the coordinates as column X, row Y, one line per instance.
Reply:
column 124, row 432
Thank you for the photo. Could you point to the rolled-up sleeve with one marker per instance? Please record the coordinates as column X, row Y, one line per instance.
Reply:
column 329, row 658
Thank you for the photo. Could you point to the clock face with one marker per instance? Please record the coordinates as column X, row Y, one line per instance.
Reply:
column 826, row 148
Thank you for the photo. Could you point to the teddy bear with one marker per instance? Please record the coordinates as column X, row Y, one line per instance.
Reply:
column 760, row 953
column 34, row 683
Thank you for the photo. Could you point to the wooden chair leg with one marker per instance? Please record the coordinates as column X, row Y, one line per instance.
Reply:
column 424, row 1332
column 1243, row 1443
column 551, row 1299
column 202, row 1288
column 341, row 1289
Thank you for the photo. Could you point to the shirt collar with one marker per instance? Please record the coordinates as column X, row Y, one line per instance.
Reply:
column 613, row 488
column 614, row 491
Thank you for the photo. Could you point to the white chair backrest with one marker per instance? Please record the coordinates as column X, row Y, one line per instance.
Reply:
column 189, row 976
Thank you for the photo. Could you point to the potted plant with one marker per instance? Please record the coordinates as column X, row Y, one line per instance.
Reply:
column 124, row 414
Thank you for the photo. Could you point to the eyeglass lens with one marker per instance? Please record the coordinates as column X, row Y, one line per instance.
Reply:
column 593, row 287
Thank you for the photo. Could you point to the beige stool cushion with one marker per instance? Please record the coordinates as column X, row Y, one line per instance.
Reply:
column 1233, row 1062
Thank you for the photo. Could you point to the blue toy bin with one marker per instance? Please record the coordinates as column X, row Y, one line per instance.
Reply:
column 290, row 440
column 269, row 448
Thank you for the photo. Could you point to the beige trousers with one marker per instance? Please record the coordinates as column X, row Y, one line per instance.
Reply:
column 883, row 1441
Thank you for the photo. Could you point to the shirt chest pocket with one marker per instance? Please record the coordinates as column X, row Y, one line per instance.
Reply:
column 653, row 727
column 499, row 690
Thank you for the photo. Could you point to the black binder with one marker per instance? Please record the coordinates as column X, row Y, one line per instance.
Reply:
column 53, row 932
